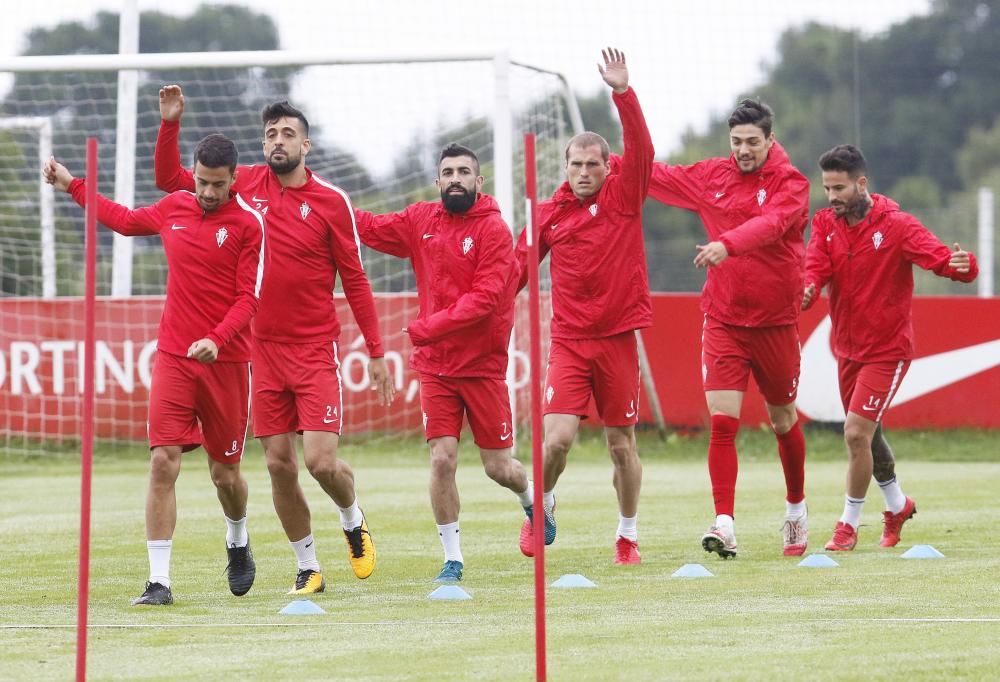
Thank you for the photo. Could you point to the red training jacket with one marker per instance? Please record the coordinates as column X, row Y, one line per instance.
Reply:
column 312, row 236
column 600, row 286
column 760, row 217
column 870, row 273
column 215, row 264
column 466, row 279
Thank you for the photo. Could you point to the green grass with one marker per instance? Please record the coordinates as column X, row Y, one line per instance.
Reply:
column 761, row 617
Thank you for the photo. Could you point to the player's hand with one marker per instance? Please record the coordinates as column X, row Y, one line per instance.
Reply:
column 381, row 381
column 56, row 174
column 614, row 71
column 204, row 350
column 710, row 254
column 171, row 102
column 960, row 259
column 808, row 296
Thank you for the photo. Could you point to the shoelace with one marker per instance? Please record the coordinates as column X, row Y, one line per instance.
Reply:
column 791, row 529
column 238, row 560
column 356, row 542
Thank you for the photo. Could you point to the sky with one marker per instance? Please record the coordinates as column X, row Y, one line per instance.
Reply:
column 688, row 59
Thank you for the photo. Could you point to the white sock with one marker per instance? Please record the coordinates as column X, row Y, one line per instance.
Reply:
column 451, row 541
column 305, row 553
column 236, row 532
column 794, row 510
column 724, row 521
column 159, row 561
column 350, row 517
column 852, row 511
column 626, row 527
column 527, row 496
column 549, row 500
column 895, row 500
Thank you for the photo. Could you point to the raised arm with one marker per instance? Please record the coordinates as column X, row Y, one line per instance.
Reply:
column 388, row 232
column 121, row 219
column 926, row 250
column 167, row 167
column 630, row 189
column 492, row 288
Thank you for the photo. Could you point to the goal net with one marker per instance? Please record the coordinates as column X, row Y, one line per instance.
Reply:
column 376, row 129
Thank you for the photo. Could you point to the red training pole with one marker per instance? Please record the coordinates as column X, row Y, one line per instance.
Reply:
column 534, row 324
column 87, row 436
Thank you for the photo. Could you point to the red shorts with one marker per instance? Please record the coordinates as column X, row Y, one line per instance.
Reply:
column 867, row 388
column 192, row 404
column 730, row 353
column 296, row 387
column 606, row 368
column 486, row 402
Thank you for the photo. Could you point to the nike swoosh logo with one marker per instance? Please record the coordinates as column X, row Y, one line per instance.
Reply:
column 505, row 437
column 260, row 201
column 428, row 236
column 719, row 195
column 230, row 454
column 310, row 544
column 329, row 421
column 178, row 227
column 629, row 415
column 819, row 397
column 868, row 408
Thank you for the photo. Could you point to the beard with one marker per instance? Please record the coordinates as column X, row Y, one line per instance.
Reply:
column 289, row 164
column 457, row 203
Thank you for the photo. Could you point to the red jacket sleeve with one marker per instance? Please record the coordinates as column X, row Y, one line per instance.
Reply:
column 628, row 188
column 819, row 267
column 170, row 174
column 249, row 275
column 924, row 249
column 786, row 209
column 345, row 247
column 491, row 289
column 678, row 186
column 521, row 254
column 140, row 222
column 388, row 233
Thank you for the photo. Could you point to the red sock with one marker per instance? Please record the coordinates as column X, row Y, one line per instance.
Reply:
column 722, row 462
column 792, row 451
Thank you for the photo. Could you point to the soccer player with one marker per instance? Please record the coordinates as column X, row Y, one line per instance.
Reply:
column 214, row 244
column 754, row 206
column 296, row 370
column 592, row 225
column 864, row 247
column 462, row 256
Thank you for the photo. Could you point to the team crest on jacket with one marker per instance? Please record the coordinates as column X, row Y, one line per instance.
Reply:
column 221, row 236
column 305, row 210
column 761, row 196
column 593, row 209
column 877, row 240
column 466, row 245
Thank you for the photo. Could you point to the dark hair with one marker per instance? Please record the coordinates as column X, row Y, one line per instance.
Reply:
column 846, row 158
column 589, row 139
column 753, row 112
column 455, row 149
column 216, row 151
column 272, row 112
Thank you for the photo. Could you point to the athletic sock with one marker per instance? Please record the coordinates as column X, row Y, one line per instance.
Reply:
column 723, row 465
column 792, row 452
column 527, row 496
column 236, row 532
column 159, row 561
column 895, row 500
column 794, row 510
column 852, row 511
column 305, row 553
column 725, row 521
column 350, row 517
column 627, row 527
column 451, row 541
column 549, row 500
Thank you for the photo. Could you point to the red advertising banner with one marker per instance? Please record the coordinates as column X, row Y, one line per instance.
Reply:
column 953, row 382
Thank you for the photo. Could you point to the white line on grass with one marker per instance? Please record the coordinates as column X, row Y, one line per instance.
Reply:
column 910, row 620
column 238, row 625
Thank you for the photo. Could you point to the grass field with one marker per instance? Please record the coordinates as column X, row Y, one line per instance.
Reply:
column 762, row 617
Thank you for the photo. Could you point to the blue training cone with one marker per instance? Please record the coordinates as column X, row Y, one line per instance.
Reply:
column 449, row 593
column 922, row 552
column 692, row 571
column 818, row 561
column 301, row 607
column 574, row 580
